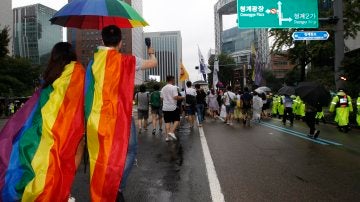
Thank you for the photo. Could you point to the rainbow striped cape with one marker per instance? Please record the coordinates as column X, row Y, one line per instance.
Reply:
column 38, row 144
column 109, row 90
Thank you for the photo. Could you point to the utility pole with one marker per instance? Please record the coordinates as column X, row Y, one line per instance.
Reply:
column 339, row 42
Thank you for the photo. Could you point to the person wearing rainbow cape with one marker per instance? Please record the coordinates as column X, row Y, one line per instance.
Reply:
column 39, row 142
column 109, row 90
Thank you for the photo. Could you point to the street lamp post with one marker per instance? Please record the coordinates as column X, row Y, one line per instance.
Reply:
column 339, row 42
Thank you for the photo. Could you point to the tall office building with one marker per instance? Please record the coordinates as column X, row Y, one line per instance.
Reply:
column 7, row 21
column 86, row 41
column 168, row 51
column 238, row 42
column 34, row 36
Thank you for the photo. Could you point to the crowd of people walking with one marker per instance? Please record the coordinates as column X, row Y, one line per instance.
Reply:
column 194, row 102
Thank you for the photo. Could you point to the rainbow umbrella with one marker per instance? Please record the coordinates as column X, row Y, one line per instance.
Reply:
column 96, row 14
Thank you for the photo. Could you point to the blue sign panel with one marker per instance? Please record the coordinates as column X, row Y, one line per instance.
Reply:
column 311, row 35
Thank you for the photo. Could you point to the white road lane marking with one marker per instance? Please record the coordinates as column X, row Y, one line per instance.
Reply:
column 215, row 188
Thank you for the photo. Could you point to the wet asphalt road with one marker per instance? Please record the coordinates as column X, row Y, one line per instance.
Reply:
column 164, row 171
column 262, row 163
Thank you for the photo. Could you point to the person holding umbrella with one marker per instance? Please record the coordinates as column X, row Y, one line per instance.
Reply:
column 310, row 114
column 315, row 96
column 288, row 112
column 110, row 92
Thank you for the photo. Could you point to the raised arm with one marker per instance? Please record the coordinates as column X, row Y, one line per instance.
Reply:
column 151, row 62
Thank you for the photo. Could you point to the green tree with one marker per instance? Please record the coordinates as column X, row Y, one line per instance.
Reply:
column 318, row 53
column 351, row 64
column 271, row 81
column 17, row 76
column 4, row 41
column 226, row 69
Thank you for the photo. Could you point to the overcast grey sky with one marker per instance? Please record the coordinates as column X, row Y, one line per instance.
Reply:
column 194, row 18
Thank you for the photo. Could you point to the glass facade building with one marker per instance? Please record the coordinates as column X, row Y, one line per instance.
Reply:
column 168, row 51
column 33, row 34
column 235, row 40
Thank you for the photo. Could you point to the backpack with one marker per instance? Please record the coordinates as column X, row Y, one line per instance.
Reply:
column 246, row 103
column 137, row 98
column 232, row 101
column 155, row 100
column 190, row 100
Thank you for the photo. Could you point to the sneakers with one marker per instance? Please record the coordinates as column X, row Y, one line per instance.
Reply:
column 316, row 134
column 154, row 131
column 160, row 131
column 71, row 199
column 172, row 135
column 167, row 139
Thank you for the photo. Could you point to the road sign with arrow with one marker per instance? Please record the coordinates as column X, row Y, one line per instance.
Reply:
column 277, row 14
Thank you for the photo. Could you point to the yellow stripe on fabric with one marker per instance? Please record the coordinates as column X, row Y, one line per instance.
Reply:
column 49, row 112
column 98, row 70
column 137, row 23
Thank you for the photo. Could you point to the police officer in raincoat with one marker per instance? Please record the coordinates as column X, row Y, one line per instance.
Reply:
column 275, row 105
column 342, row 106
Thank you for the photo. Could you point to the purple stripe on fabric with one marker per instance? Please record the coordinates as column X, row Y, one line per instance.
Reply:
column 11, row 130
column 84, row 7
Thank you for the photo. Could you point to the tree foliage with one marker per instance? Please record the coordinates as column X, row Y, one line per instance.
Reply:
column 4, row 41
column 150, row 85
column 271, row 81
column 319, row 53
column 351, row 66
column 17, row 76
column 226, row 68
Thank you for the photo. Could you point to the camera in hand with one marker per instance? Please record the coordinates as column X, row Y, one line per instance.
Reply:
column 148, row 42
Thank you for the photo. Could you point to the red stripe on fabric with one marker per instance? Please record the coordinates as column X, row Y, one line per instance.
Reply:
column 106, row 128
column 68, row 130
column 96, row 22
column 122, row 128
column 114, row 126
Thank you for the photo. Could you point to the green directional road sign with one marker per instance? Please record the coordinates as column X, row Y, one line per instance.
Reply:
column 277, row 14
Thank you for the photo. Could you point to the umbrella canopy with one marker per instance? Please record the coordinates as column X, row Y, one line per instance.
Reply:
column 259, row 91
column 264, row 89
column 313, row 93
column 286, row 90
column 96, row 14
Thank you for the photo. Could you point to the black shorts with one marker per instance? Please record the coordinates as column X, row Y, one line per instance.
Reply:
column 171, row 116
column 157, row 110
column 143, row 114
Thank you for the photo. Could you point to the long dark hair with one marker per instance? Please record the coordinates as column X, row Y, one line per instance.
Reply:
column 61, row 55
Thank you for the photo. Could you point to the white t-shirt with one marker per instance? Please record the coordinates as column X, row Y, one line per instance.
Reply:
column 227, row 95
column 257, row 102
column 168, row 93
column 190, row 91
column 138, row 61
